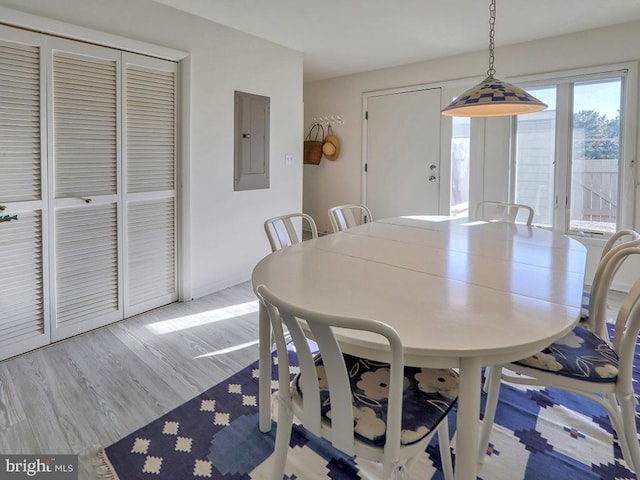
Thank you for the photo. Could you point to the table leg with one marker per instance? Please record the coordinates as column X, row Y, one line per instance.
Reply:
column 264, row 392
column 468, row 419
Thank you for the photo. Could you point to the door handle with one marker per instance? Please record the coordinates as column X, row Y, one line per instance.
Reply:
column 433, row 178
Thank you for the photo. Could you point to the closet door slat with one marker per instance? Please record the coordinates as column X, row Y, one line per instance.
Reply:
column 85, row 122
column 150, row 117
column 20, row 172
column 86, row 264
column 22, row 302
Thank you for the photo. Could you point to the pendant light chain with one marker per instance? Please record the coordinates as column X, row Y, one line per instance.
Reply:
column 492, row 31
column 493, row 97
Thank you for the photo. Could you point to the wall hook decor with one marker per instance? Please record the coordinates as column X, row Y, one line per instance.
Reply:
column 332, row 120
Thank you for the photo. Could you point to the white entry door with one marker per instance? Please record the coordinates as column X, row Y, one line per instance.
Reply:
column 403, row 153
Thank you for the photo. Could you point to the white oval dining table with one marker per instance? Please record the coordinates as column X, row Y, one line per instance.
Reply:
column 461, row 295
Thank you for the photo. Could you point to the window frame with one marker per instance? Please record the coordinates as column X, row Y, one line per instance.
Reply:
column 563, row 81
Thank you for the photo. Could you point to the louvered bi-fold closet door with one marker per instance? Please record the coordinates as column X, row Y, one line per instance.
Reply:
column 24, row 318
column 84, row 147
column 149, row 152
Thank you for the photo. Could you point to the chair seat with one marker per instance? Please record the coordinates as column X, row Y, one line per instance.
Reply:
column 580, row 354
column 435, row 388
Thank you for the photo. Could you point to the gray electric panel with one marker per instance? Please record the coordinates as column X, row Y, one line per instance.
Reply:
column 251, row 155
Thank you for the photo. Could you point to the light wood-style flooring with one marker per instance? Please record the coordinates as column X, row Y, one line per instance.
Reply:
column 98, row 387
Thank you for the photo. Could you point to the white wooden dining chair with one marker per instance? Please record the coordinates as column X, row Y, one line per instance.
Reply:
column 281, row 231
column 587, row 362
column 347, row 216
column 363, row 407
column 626, row 237
column 502, row 212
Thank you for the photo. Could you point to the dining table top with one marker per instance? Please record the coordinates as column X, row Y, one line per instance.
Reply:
column 450, row 287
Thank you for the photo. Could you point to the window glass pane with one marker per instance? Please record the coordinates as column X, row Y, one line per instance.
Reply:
column 460, row 141
column 535, row 153
column 595, row 154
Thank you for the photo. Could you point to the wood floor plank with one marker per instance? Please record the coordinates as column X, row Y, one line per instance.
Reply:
column 100, row 386
column 46, row 417
column 19, row 438
column 11, row 411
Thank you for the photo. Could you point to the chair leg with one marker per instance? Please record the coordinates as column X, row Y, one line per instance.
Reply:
column 629, row 434
column 619, row 418
column 487, row 379
column 614, row 409
column 283, row 437
column 445, row 449
column 489, row 411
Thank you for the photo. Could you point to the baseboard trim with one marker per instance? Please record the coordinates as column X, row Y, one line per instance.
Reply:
column 221, row 285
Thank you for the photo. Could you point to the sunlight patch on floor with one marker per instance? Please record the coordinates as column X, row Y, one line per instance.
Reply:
column 189, row 321
column 230, row 349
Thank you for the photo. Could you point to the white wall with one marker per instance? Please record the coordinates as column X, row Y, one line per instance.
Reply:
column 226, row 235
column 333, row 183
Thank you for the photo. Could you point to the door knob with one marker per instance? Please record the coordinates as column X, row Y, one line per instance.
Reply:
column 432, row 167
column 433, row 178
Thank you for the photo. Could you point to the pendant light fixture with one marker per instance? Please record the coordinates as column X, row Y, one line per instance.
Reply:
column 493, row 97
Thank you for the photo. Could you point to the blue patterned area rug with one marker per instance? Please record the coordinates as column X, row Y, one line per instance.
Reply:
column 540, row 434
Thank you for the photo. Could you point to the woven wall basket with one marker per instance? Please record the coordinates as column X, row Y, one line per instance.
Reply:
column 313, row 147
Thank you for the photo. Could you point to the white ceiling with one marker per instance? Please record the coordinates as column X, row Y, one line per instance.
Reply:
column 339, row 37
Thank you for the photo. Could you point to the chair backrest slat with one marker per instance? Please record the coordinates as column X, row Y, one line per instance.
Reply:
column 311, row 414
column 500, row 213
column 346, row 218
column 342, row 432
column 286, row 232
